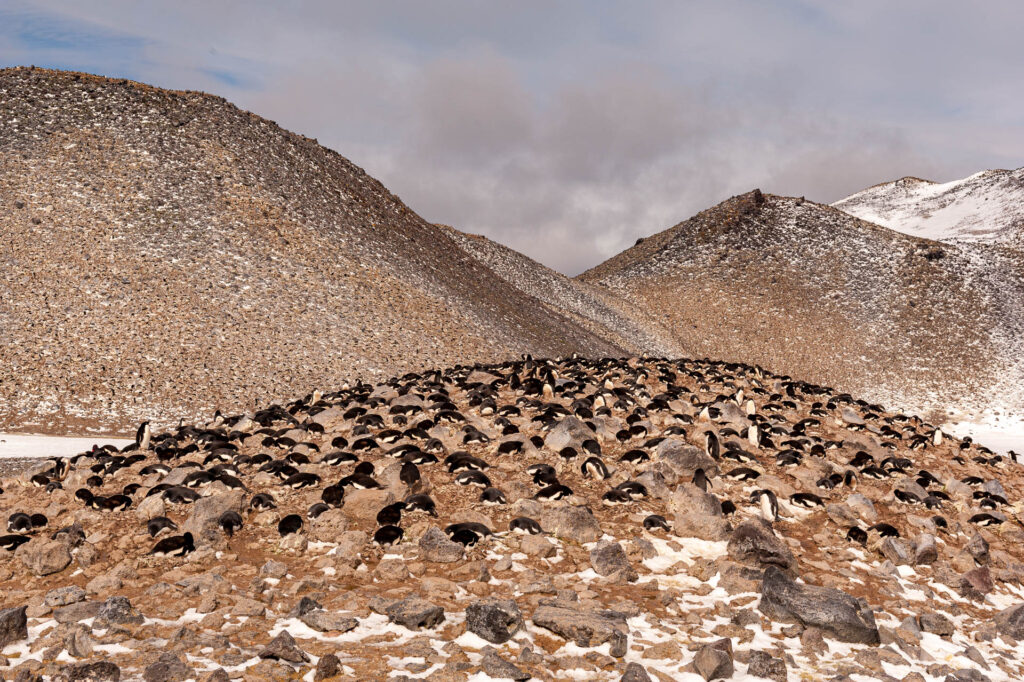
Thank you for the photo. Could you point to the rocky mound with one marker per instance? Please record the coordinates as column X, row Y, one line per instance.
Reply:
column 811, row 291
column 577, row 519
column 166, row 254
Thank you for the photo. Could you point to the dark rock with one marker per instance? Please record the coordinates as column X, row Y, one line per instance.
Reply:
column 13, row 625
column 966, row 675
column 435, row 546
column 284, row 648
column 168, row 668
column 847, row 619
column 100, row 671
column 697, row 514
column 714, row 661
column 635, row 673
column 62, row 596
column 978, row 548
column 571, row 522
column 329, row 665
column 497, row 667
column 119, row 610
column 608, row 557
column 494, row 620
column 976, row 583
column 925, row 549
column 763, row 664
column 79, row 642
column 1010, row 621
column 204, row 521
column 414, row 613
column 77, row 612
column 684, row 459
column 754, row 543
column 937, row 624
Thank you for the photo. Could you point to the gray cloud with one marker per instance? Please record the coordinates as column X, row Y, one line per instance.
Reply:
column 567, row 130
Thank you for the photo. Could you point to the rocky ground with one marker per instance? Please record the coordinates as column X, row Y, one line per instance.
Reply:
column 928, row 586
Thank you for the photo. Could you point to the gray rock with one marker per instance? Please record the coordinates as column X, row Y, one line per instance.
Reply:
column 657, row 486
column 847, row 619
column 274, row 569
column 684, row 459
column 763, row 664
column 896, row 551
column 864, row 507
column 100, row 671
column 13, row 626
column 329, row 665
column 538, row 546
column 585, row 628
column 966, row 675
column 635, row 673
column 976, row 583
column 568, row 432
column 850, row 416
column 435, row 546
column 119, row 610
column 363, row 505
column 206, row 513
column 925, row 550
column 327, row 621
column 44, row 557
column 754, row 543
column 79, row 642
column 497, row 667
column 842, row 515
column 698, row 514
column 168, row 668
column 74, row 613
column 495, row 620
column 413, row 612
column 571, row 522
column 62, row 596
column 1010, row 621
column 608, row 557
column 978, row 548
column 713, row 662
column 284, row 648
column 994, row 487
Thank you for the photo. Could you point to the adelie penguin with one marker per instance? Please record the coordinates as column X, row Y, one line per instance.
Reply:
column 289, row 525
column 230, row 522
column 700, row 479
column 142, row 436
column 768, row 502
column 178, row 545
column 524, row 525
column 593, row 467
column 159, row 525
column 656, row 522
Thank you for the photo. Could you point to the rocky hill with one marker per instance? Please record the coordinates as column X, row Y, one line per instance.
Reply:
column 987, row 207
column 813, row 292
column 165, row 253
column 629, row 520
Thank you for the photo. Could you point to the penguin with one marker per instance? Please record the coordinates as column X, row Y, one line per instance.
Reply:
column 477, row 528
column 743, row 474
column 465, row 537
column 473, row 477
column 858, row 535
column 180, row 495
column 289, row 525
column 333, row 496
column 262, row 502
column 906, row 497
column 316, row 510
column 12, row 542
column 553, row 492
column 409, row 475
column 712, row 448
column 177, row 545
column 701, row 480
column 492, row 497
column 593, row 467
column 301, row 480
column 390, row 515
column 525, row 526
column 337, row 458
column 615, row 497
column 421, row 502
column 769, row 504
column 635, row 457
column 143, row 435
column 360, row 481
column 130, row 489
column 806, row 500
column 728, row 507
column 656, row 522
column 633, row 489
column 985, row 519
column 19, row 522
column 885, row 530
column 230, row 521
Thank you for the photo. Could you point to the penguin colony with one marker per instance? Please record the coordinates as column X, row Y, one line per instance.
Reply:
column 489, row 454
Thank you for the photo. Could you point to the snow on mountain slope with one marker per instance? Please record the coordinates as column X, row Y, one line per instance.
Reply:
column 986, row 207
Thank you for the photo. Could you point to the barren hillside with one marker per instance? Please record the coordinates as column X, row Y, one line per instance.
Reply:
column 813, row 292
column 165, row 253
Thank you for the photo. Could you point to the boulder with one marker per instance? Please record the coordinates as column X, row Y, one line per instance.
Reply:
column 925, row 550
column 754, row 543
column 571, row 522
column 328, row 666
column 568, row 432
column 100, row 671
column 846, row 618
column 284, row 648
column 62, row 596
column 714, row 661
column 495, row 620
column 496, row 667
column 413, row 612
column 168, row 668
column 119, row 611
column 538, row 546
column 13, row 626
column 585, row 628
column 1010, row 621
column 203, row 522
column 763, row 664
column 698, row 514
column 436, row 547
column 684, row 459
column 363, row 505
column 44, row 557
column 608, row 557
column 976, row 583
column 635, row 673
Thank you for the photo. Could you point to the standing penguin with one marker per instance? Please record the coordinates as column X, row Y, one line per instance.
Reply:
column 711, row 445
column 769, row 504
column 700, row 479
column 142, row 436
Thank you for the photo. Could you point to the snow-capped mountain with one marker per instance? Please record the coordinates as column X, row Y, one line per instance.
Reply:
column 987, row 207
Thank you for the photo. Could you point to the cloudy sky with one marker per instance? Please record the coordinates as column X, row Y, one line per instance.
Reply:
column 568, row 129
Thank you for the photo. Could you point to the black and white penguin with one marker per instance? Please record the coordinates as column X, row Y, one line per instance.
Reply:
column 656, row 522
column 301, row 480
column 409, row 474
column 289, row 525
column 906, row 497
column 143, row 435
column 493, row 496
column 360, row 481
column 421, row 502
column 742, row 474
column 390, row 515
column 806, row 500
column 858, row 535
column 473, row 477
column 19, row 522
column 12, row 542
column 465, row 537
column 385, row 536
column 701, row 480
column 230, row 522
column 985, row 519
column 553, row 492
column 524, row 525
column 768, row 503
column 262, row 502
column 316, row 510
column 594, row 467
column 178, row 545
column 712, row 447
column 333, row 496
column 886, row 530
